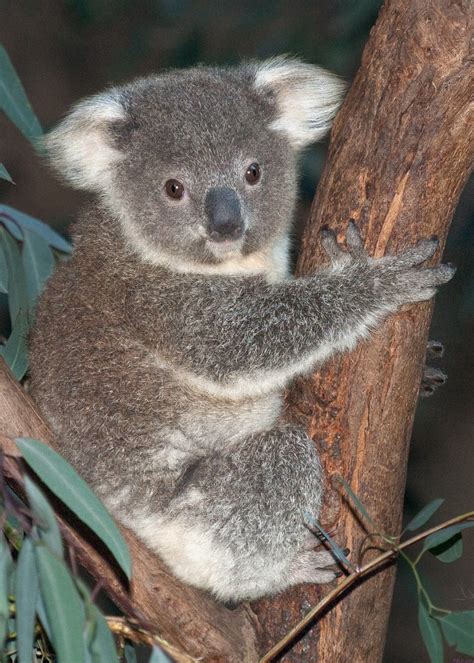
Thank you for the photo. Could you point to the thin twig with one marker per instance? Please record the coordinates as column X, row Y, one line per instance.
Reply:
column 124, row 629
column 351, row 579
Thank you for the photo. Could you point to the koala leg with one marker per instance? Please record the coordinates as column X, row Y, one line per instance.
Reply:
column 235, row 524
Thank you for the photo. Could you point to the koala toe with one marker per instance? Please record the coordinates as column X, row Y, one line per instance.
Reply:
column 354, row 239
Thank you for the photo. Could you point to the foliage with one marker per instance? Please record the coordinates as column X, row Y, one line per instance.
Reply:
column 437, row 625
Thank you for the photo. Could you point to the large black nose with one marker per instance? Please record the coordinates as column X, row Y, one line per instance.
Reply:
column 224, row 218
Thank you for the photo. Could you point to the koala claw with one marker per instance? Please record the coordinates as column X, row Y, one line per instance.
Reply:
column 434, row 349
column 314, row 567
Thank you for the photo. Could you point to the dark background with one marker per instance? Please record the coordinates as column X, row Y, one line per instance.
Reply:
column 64, row 50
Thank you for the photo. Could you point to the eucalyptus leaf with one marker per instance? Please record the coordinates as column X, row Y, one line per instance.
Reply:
column 102, row 647
column 3, row 272
column 15, row 350
column 449, row 551
column 66, row 484
column 425, row 514
column 44, row 514
column 444, row 535
column 158, row 656
column 458, row 629
column 26, row 596
column 4, row 174
column 6, row 565
column 17, row 295
column 358, row 504
column 431, row 634
column 11, row 226
column 27, row 222
column 42, row 616
column 130, row 653
column 63, row 606
column 38, row 264
column 14, row 102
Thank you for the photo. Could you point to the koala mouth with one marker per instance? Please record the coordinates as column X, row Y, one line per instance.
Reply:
column 225, row 247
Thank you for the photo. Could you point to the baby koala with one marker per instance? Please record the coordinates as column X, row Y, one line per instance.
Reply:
column 162, row 346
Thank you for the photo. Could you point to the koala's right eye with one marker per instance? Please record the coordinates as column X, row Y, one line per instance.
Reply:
column 174, row 189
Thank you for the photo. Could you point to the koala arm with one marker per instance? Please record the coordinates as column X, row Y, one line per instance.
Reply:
column 228, row 331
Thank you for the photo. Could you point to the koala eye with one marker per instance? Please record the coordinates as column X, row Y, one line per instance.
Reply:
column 174, row 189
column 252, row 174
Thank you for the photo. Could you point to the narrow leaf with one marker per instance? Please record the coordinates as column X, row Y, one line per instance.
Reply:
column 357, row 503
column 26, row 596
column 449, row 551
column 425, row 514
column 158, row 656
column 63, row 606
column 14, row 102
column 458, row 629
column 46, row 519
column 38, row 264
column 102, row 647
column 15, row 350
column 438, row 538
column 41, row 610
column 3, row 272
column 27, row 222
column 4, row 174
column 431, row 634
column 6, row 565
column 17, row 297
column 129, row 653
column 66, row 484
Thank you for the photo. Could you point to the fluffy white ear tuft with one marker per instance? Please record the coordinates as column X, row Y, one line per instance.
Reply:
column 79, row 147
column 307, row 97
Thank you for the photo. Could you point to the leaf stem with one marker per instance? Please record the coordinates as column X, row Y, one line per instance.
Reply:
column 353, row 577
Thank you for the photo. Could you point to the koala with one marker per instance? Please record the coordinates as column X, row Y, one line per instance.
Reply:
column 162, row 347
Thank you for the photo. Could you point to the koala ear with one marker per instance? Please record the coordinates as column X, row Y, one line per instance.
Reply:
column 81, row 147
column 307, row 97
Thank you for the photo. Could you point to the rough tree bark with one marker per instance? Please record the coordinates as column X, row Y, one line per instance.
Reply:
column 400, row 153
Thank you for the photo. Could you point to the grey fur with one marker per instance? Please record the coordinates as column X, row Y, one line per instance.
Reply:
column 159, row 358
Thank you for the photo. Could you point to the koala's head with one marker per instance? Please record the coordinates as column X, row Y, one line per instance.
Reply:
column 199, row 165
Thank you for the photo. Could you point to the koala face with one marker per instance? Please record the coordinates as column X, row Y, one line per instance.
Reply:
column 199, row 166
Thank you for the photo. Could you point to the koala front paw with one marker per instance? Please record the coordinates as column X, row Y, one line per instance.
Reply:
column 397, row 279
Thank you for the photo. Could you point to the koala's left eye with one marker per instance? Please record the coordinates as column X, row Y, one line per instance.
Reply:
column 252, row 174
column 174, row 189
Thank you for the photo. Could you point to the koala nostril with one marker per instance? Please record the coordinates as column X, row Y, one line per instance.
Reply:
column 224, row 215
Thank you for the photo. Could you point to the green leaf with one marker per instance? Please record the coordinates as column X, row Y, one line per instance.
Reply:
column 3, row 272
column 66, row 484
column 38, row 263
column 129, row 653
column 431, row 634
column 449, row 551
column 26, row 596
column 15, row 350
column 41, row 610
column 17, row 296
column 45, row 517
column 444, row 535
column 14, row 102
column 6, row 565
column 4, row 174
column 358, row 504
column 458, row 629
column 102, row 647
column 425, row 514
column 63, row 606
column 27, row 222
column 158, row 656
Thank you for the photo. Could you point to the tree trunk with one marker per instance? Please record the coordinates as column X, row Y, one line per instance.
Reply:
column 398, row 159
column 400, row 152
